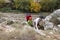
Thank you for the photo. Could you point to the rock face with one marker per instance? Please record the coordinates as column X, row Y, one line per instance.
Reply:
column 53, row 19
column 48, row 25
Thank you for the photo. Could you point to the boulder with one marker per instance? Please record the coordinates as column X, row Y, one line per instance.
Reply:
column 48, row 18
column 52, row 20
column 48, row 25
column 55, row 21
column 55, row 17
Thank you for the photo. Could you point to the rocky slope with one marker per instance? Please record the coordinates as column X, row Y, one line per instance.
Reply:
column 13, row 27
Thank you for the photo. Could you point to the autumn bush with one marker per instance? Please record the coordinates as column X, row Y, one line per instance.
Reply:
column 34, row 6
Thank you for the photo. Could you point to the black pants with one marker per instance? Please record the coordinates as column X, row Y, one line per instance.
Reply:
column 40, row 27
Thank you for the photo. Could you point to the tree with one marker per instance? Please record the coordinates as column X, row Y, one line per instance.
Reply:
column 48, row 5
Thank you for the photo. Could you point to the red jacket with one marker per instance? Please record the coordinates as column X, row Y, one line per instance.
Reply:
column 28, row 17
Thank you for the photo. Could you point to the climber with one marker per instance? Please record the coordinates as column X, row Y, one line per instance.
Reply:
column 36, row 21
column 28, row 15
column 29, row 19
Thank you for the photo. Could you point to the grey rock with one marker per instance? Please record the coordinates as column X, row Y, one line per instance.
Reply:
column 53, row 19
column 9, row 22
column 2, row 20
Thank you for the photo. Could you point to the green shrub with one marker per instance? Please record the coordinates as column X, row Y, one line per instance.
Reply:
column 19, row 4
column 48, row 5
column 5, row 9
column 58, row 4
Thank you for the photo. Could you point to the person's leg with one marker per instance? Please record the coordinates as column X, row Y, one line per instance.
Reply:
column 36, row 26
column 40, row 27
